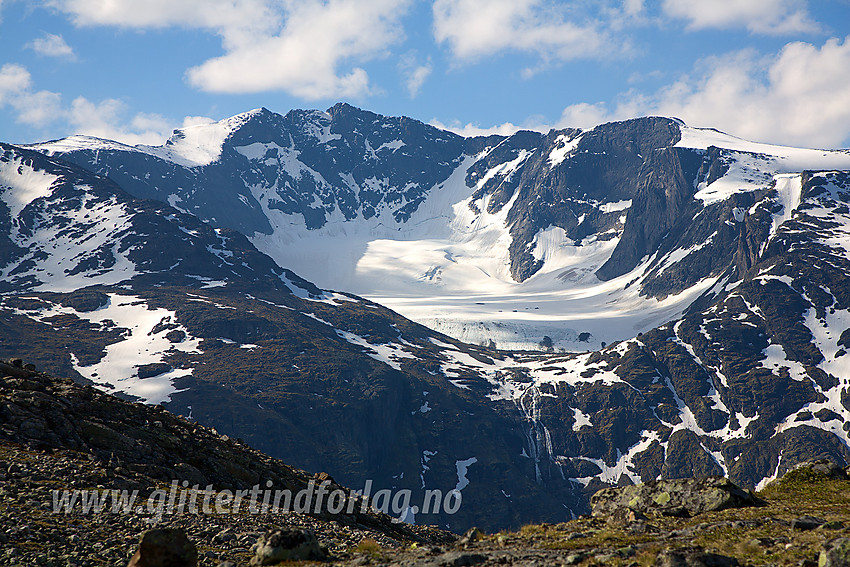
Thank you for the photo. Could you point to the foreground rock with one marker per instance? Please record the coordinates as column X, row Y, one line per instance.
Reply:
column 287, row 545
column 836, row 553
column 33, row 533
column 165, row 548
column 725, row 537
column 679, row 497
column 822, row 469
column 694, row 558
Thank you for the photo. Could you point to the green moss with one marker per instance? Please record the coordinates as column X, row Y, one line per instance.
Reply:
column 370, row 548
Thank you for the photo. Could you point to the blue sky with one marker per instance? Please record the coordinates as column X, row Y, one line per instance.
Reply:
column 132, row 70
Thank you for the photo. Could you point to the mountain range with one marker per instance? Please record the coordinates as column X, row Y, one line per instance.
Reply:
column 524, row 318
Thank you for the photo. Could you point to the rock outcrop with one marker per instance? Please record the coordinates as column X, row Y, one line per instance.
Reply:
column 679, row 497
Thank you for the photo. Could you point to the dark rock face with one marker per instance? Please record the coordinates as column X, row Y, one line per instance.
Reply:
column 687, row 459
column 601, row 168
column 662, row 195
column 338, row 152
column 286, row 357
column 111, row 234
column 359, row 165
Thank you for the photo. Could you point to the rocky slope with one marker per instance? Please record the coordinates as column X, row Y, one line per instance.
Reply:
column 800, row 520
column 56, row 436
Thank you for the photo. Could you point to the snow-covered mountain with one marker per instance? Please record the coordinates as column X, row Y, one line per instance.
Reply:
column 713, row 268
column 151, row 304
column 503, row 239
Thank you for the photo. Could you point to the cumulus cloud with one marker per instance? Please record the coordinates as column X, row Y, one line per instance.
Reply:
column 305, row 56
column 799, row 96
column 585, row 115
column 505, row 129
column 190, row 121
column 758, row 16
column 310, row 48
column 108, row 118
column 415, row 73
column 51, row 45
column 14, row 79
column 416, row 78
column 477, row 28
column 234, row 19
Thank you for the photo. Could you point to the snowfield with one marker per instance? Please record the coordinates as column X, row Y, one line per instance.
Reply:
column 143, row 343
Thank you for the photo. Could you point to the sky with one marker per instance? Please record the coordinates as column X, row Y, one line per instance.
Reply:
column 133, row 70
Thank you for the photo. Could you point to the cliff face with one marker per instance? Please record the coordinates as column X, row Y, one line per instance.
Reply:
column 663, row 199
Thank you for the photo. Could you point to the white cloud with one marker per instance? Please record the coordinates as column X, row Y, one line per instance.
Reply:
column 478, row 28
column 14, row 79
column 758, row 16
column 585, row 115
column 189, row 121
column 506, row 129
column 799, row 96
column 52, row 45
column 108, row 118
column 414, row 73
column 309, row 48
column 235, row 19
column 633, row 8
column 38, row 108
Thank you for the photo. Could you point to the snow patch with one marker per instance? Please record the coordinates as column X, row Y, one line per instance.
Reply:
column 462, row 469
column 21, row 184
column 564, row 146
column 118, row 370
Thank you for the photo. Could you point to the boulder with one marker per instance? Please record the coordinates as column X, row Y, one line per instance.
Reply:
column 85, row 300
column 693, row 558
column 680, row 497
column 822, row 469
column 286, row 545
column 806, row 523
column 835, row 553
column 165, row 547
